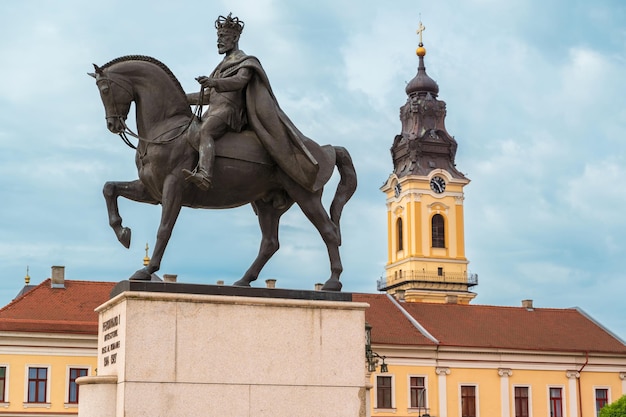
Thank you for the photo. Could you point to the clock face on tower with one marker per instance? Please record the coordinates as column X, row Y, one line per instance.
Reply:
column 438, row 184
column 397, row 189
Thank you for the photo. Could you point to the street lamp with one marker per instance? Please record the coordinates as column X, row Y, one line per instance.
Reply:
column 370, row 355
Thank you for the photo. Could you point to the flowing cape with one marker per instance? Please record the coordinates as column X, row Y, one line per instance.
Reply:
column 283, row 141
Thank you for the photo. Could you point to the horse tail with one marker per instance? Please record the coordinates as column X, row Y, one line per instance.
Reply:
column 346, row 186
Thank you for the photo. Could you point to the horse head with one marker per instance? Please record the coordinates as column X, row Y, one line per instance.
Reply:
column 148, row 82
column 117, row 96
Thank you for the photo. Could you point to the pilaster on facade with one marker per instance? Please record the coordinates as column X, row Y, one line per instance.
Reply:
column 572, row 377
column 442, row 373
column 622, row 376
column 505, row 407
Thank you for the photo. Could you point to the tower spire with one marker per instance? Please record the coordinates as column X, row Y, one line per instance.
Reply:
column 146, row 259
column 426, row 252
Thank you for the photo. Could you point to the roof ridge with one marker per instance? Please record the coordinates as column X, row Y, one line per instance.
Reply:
column 413, row 321
column 569, row 309
column 597, row 323
column 16, row 320
column 21, row 297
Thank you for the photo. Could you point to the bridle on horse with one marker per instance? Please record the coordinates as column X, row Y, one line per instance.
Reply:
column 127, row 131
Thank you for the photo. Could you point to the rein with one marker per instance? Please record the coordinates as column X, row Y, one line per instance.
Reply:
column 127, row 131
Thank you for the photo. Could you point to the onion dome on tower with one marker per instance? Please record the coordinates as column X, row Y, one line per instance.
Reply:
column 422, row 84
column 424, row 144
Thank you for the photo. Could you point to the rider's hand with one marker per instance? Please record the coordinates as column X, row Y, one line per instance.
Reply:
column 205, row 81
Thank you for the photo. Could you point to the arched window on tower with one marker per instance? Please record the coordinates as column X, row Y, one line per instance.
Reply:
column 438, row 232
column 399, row 237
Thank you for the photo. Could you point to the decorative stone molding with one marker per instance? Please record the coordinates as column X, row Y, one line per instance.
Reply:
column 458, row 200
column 622, row 376
column 572, row 374
column 414, row 195
column 505, row 372
column 398, row 211
column 442, row 371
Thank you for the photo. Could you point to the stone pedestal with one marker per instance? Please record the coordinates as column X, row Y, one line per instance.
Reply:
column 168, row 349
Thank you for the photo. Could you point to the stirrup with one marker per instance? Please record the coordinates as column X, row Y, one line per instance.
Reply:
column 199, row 177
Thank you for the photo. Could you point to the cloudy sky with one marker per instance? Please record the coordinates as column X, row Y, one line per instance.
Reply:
column 535, row 98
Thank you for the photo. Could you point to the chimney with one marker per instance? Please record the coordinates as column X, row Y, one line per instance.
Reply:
column 170, row 277
column 318, row 286
column 58, row 277
column 527, row 304
column 270, row 283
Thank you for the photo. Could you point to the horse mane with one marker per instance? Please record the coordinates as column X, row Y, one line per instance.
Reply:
column 149, row 59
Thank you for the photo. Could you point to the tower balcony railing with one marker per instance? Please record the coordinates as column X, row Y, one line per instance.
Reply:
column 393, row 280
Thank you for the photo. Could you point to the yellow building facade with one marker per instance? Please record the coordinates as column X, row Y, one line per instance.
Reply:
column 48, row 338
column 443, row 356
column 454, row 360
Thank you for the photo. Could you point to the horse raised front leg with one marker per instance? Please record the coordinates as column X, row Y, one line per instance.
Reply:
column 132, row 190
column 171, row 205
column 269, row 218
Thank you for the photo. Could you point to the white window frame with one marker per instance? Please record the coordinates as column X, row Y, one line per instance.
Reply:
column 393, row 392
column 6, row 403
column 476, row 394
column 563, row 399
column 408, row 393
column 608, row 394
column 48, row 385
column 530, row 398
column 67, row 383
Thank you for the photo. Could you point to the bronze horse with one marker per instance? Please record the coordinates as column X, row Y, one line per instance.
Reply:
column 243, row 173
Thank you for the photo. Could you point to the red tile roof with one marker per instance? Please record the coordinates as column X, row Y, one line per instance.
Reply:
column 543, row 329
column 57, row 310
column 389, row 325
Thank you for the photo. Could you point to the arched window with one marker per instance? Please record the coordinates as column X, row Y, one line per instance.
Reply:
column 399, row 240
column 438, row 232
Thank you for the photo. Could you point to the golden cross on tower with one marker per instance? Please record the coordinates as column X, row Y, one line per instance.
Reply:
column 421, row 29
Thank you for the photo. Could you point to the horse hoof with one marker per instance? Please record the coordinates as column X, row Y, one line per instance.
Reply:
column 124, row 237
column 141, row 275
column 241, row 283
column 332, row 285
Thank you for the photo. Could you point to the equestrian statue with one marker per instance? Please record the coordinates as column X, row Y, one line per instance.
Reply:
column 243, row 149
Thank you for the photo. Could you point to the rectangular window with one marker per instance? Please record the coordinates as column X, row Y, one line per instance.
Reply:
column 602, row 399
column 468, row 401
column 556, row 402
column 37, row 385
column 521, row 401
column 383, row 392
column 3, row 384
column 418, row 392
column 73, row 387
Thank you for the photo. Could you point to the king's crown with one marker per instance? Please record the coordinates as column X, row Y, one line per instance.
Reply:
column 229, row 23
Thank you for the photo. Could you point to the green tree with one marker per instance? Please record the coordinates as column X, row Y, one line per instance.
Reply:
column 615, row 409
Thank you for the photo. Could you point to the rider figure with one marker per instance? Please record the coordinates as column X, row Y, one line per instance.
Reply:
column 239, row 95
column 226, row 99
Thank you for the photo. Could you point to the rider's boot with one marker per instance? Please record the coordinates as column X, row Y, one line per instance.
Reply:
column 200, row 177
column 203, row 174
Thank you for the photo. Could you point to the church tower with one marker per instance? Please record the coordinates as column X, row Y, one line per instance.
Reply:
column 426, row 244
